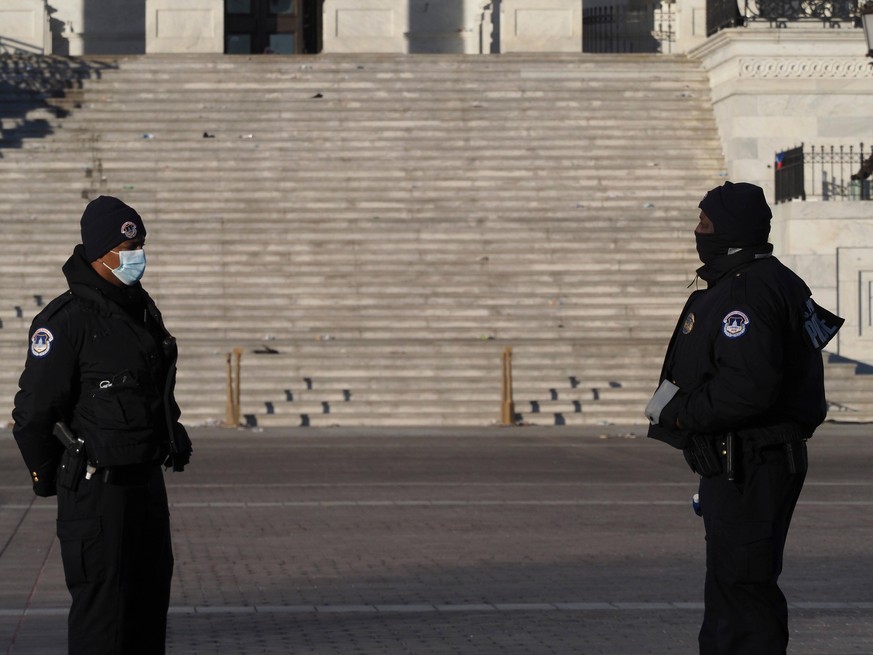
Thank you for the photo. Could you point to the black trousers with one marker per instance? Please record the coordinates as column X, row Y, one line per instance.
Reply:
column 118, row 562
column 746, row 527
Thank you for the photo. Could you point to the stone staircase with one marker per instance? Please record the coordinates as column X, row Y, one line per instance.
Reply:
column 375, row 230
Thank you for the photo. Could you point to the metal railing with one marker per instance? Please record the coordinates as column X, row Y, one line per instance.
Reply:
column 721, row 14
column 14, row 46
column 831, row 13
column 621, row 28
column 824, row 173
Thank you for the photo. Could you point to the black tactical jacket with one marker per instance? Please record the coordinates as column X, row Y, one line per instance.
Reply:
column 101, row 360
column 746, row 355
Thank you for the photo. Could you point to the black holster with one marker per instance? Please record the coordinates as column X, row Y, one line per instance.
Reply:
column 702, row 455
column 73, row 461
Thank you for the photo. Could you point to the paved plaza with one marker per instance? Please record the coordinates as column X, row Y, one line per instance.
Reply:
column 482, row 541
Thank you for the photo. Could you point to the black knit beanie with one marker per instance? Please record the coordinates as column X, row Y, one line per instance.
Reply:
column 740, row 214
column 107, row 222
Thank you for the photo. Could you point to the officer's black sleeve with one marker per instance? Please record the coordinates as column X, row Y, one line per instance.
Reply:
column 43, row 399
column 748, row 378
column 183, row 448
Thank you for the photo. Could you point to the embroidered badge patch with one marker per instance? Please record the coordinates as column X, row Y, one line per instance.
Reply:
column 41, row 342
column 129, row 229
column 688, row 325
column 735, row 324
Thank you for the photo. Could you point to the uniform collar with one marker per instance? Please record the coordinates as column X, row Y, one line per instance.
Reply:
column 85, row 282
column 735, row 259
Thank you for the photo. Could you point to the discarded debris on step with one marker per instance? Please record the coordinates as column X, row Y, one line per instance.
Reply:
column 207, row 135
column 317, row 95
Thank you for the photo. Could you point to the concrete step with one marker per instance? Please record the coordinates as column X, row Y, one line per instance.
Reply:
column 384, row 237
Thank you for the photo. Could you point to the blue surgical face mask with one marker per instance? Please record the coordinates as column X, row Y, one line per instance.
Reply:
column 131, row 267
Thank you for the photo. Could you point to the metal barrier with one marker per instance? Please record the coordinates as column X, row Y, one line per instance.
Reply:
column 788, row 175
column 830, row 13
column 14, row 46
column 722, row 14
column 232, row 415
column 823, row 173
column 621, row 28
column 507, row 405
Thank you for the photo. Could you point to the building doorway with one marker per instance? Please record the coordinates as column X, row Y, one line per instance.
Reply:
column 286, row 27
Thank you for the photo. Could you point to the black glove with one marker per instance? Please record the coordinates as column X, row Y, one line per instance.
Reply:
column 702, row 455
column 177, row 461
column 676, row 438
column 46, row 488
column 44, row 477
column 180, row 456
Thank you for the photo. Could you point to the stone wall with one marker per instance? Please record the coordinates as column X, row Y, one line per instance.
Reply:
column 83, row 27
column 830, row 245
column 25, row 26
column 773, row 89
column 541, row 26
column 452, row 26
column 192, row 26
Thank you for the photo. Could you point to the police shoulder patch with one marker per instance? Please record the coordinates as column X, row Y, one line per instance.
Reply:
column 41, row 342
column 688, row 324
column 735, row 324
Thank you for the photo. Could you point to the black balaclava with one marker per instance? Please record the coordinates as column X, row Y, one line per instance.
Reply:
column 740, row 215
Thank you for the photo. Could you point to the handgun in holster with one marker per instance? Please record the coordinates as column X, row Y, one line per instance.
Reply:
column 74, row 461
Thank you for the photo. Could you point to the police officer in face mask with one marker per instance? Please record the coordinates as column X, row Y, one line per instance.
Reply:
column 741, row 390
column 95, row 418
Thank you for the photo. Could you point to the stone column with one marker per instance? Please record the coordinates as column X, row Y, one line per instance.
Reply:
column 690, row 24
column 190, row 26
column 99, row 27
column 448, row 26
column 541, row 26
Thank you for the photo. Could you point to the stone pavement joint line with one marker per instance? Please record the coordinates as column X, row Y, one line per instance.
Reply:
column 459, row 607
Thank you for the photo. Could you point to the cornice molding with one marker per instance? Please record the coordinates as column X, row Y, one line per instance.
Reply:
column 805, row 68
